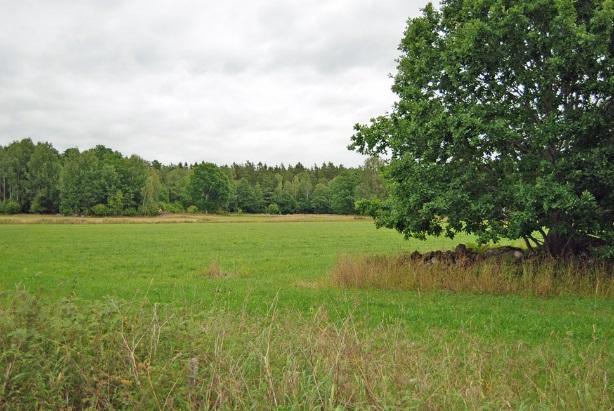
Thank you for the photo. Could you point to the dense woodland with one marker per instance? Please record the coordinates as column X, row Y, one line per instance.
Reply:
column 36, row 178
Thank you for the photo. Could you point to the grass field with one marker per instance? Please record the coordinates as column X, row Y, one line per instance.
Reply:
column 275, row 299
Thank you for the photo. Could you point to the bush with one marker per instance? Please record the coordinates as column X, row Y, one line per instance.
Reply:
column 368, row 207
column 150, row 210
column 130, row 212
column 273, row 208
column 116, row 204
column 36, row 206
column 100, row 210
column 192, row 209
column 10, row 207
column 174, row 208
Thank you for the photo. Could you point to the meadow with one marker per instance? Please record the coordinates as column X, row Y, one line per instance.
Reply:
column 241, row 311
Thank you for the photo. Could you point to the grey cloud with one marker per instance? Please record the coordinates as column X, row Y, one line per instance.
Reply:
column 187, row 80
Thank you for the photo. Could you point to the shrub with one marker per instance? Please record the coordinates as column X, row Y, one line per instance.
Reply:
column 130, row 212
column 174, row 208
column 192, row 209
column 116, row 204
column 368, row 207
column 10, row 207
column 150, row 210
column 100, row 210
column 36, row 206
column 273, row 208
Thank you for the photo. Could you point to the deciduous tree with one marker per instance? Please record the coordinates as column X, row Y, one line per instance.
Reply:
column 210, row 187
column 504, row 125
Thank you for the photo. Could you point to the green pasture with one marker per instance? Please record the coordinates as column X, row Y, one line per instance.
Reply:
column 284, row 261
column 117, row 314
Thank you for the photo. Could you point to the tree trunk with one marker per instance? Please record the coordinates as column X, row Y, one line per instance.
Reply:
column 558, row 244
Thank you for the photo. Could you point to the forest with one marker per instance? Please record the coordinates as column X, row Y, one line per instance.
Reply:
column 37, row 178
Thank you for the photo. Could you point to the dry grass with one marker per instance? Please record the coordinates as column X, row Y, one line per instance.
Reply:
column 118, row 355
column 533, row 277
column 173, row 218
column 214, row 270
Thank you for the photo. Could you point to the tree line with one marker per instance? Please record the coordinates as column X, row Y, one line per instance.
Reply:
column 37, row 178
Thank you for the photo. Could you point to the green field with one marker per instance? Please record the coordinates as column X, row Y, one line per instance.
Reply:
column 563, row 341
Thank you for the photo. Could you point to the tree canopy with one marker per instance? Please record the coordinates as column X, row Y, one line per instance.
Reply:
column 210, row 187
column 504, row 125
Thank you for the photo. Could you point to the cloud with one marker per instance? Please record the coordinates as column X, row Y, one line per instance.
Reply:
column 186, row 80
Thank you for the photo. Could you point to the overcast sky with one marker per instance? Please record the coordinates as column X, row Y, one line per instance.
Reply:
column 187, row 80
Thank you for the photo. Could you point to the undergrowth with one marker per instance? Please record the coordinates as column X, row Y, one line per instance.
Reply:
column 115, row 354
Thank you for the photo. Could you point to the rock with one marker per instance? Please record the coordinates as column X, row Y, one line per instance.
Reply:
column 448, row 257
column 432, row 257
column 513, row 253
column 415, row 256
column 461, row 250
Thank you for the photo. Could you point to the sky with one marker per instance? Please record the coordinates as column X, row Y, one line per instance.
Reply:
column 186, row 80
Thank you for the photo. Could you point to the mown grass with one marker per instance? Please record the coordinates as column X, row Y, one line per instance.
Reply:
column 244, row 315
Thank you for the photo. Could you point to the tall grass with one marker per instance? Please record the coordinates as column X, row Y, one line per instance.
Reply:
column 532, row 277
column 115, row 354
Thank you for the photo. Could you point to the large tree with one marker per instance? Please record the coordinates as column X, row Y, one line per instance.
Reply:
column 504, row 126
column 342, row 193
column 210, row 187
column 85, row 181
column 247, row 199
column 43, row 176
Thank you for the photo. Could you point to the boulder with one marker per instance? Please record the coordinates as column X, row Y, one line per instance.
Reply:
column 513, row 253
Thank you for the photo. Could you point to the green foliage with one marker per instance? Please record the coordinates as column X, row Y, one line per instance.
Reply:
column 247, row 198
column 210, row 187
column 192, row 209
column 176, row 185
column 41, row 180
column 174, row 208
column 303, row 189
column 151, row 193
column 149, row 210
column 43, row 174
column 371, row 184
column 504, row 125
column 9, row 207
column 84, row 182
column 285, row 201
column 370, row 207
column 342, row 196
column 273, row 208
column 116, row 203
column 320, row 199
column 100, row 210
column 14, row 160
